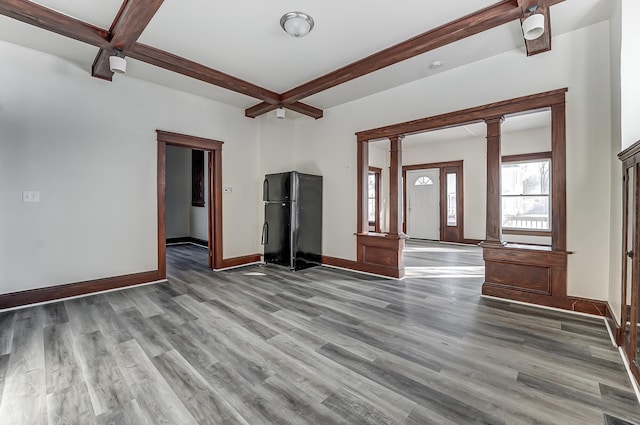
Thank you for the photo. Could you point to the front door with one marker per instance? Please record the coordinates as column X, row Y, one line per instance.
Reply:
column 423, row 204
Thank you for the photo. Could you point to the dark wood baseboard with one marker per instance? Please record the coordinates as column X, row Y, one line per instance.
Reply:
column 340, row 262
column 472, row 241
column 33, row 296
column 362, row 268
column 613, row 325
column 241, row 261
column 580, row 305
column 188, row 239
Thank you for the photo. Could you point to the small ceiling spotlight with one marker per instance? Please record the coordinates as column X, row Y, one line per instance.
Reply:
column 280, row 113
column 533, row 26
column 117, row 63
column 435, row 64
column 296, row 24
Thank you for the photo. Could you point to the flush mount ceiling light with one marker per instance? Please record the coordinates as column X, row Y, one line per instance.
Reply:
column 296, row 24
column 117, row 63
column 533, row 26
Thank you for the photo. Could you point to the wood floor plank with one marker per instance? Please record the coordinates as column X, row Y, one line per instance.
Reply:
column 106, row 387
column 263, row 345
column 156, row 399
column 202, row 400
column 7, row 319
column 23, row 399
column 70, row 405
column 55, row 314
column 27, row 351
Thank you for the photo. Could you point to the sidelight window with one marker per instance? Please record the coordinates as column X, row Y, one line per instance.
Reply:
column 374, row 198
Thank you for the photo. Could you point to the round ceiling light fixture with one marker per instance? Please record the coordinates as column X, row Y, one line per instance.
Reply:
column 296, row 24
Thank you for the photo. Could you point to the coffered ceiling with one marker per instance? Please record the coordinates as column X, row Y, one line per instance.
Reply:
column 244, row 40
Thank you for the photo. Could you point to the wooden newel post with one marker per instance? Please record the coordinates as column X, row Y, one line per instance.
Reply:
column 494, row 165
column 395, row 178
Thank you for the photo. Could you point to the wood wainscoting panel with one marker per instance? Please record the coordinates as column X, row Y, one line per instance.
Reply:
column 535, row 279
column 381, row 254
column 530, row 274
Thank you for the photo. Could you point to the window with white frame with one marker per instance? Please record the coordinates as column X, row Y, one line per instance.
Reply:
column 526, row 193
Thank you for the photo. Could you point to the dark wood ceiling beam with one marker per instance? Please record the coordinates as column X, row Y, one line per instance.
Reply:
column 200, row 72
column 131, row 22
column 260, row 109
column 132, row 19
column 485, row 19
column 48, row 19
column 482, row 20
column 302, row 108
column 542, row 43
column 123, row 32
column 100, row 68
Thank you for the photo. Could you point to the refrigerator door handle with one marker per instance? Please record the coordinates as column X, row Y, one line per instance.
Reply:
column 265, row 234
column 265, row 190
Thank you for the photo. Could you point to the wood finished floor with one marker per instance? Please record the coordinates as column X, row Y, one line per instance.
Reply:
column 260, row 345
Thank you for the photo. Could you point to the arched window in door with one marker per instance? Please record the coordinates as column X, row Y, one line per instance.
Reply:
column 423, row 181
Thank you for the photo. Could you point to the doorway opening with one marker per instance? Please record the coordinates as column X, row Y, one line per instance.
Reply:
column 433, row 201
column 187, row 182
column 209, row 186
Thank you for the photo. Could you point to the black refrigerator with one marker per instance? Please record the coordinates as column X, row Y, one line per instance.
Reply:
column 292, row 230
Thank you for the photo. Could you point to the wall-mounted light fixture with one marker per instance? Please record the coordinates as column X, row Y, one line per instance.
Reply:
column 117, row 63
column 296, row 24
column 533, row 26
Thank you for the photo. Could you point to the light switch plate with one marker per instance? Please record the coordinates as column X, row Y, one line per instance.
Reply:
column 30, row 196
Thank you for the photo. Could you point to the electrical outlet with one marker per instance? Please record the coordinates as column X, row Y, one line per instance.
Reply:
column 30, row 196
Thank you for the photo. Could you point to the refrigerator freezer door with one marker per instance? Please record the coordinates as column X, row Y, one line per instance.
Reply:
column 277, row 187
column 308, row 219
column 277, row 244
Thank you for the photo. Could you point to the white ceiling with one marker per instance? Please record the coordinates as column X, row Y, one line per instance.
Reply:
column 244, row 39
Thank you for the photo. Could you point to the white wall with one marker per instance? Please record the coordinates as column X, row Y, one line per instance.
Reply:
column 615, row 228
column 178, row 191
column 579, row 60
column 629, row 72
column 89, row 147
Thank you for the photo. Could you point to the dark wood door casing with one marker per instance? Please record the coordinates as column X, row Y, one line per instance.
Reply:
column 447, row 233
column 214, row 177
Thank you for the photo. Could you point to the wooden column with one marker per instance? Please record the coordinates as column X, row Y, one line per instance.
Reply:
column 494, row 164
column 558, row 178
column 380, row 253
column 363, row 186
column 395, row 177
